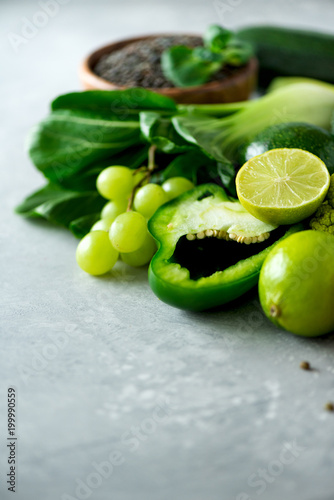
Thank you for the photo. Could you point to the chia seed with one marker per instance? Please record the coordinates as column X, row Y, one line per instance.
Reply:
column 138, row 63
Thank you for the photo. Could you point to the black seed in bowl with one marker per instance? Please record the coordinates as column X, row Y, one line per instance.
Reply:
column 138, row 63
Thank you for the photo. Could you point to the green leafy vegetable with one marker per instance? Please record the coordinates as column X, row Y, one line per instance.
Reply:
column 81, row 226
column 59, row 205
column 226, row 173
column 67, row 141
column 133, row 157
column 222, row 137
column 186, row 67
column 216, row 38
column 88, row 127
column 89, row 131
column 160, row 131
column 52, row 193
column 199, row 168
column 216, row 110
column 192, row 165
column 238, row 53
column 122, row 103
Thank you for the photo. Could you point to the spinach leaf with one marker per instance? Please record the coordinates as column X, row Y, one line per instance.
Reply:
column 59, row 205
column 198, row 167
column 160, row 131
column 67, row 141
column 226, row 173
column 50, row 193
column 187, row 67
column 209, row 135
column 132, row 157
column 85, row 180
column 204, row 131
column 188, row 165
column 81, row 226
column 124, row 103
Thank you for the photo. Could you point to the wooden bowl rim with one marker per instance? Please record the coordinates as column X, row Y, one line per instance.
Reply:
column 86, row 70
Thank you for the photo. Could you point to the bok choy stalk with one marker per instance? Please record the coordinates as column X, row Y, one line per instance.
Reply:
column 309, row 101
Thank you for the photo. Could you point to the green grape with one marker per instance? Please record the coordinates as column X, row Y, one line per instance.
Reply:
column 148, row 199
column 115, row 182
column 141, row 256
column 113, row 209
column 128, row 232
column 95, row 254
column 175, row 186
column 101, row 225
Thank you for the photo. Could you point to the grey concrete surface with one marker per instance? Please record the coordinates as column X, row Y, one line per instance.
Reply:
column 121, row 397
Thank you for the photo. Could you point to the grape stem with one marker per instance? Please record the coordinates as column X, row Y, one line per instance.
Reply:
column 147, row 171
column 151, row 158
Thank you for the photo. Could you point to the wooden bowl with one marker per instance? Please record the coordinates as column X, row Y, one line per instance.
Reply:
column 236, row 87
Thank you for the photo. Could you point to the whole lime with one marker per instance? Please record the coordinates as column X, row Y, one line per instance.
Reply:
column 296, row 284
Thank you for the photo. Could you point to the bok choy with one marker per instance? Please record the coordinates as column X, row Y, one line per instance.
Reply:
column 305, row 101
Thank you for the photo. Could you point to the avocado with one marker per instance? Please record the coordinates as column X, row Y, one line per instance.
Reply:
column 304, row 136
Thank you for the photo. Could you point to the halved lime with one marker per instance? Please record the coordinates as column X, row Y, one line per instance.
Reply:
column 283, row 186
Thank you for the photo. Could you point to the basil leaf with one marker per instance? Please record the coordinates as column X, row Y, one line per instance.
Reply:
column 161, row 132
column 186, row 67
column 125, row 103
column 238, row 53
column 205, row 55
column 216, row 37
column 67, row 141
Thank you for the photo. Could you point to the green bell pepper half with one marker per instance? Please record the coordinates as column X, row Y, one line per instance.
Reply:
column 205, row 283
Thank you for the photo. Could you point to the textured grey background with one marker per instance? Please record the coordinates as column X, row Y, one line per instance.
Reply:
column 213, row 398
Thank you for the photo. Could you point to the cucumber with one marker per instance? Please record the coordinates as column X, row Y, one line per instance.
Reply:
column 291, row 52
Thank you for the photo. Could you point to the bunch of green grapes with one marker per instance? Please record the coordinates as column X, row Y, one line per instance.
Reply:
column 122, row 230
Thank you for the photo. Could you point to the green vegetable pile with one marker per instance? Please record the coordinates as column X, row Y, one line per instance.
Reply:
column 121, row 166
column 89, row 131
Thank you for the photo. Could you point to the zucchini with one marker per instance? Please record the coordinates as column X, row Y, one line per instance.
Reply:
column 291, row 52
